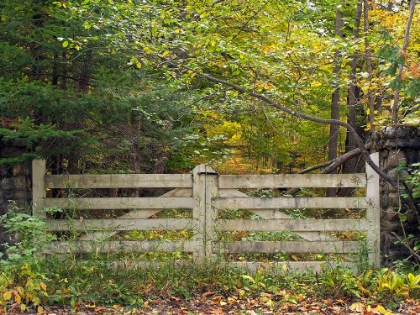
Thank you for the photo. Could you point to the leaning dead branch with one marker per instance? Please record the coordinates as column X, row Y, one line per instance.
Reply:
column 271, row 103
column 361, row 146
column 329, row 166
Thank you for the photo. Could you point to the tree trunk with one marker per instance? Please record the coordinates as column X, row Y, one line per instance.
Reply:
column 335, row 103
column 395, row 106
column 353, row 103
column 368, row 60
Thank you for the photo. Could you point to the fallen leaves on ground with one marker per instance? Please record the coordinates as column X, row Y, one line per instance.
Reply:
column 265, row 304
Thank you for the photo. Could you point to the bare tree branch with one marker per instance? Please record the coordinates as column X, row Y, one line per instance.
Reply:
column 315, row 167
column 360, row 145
column 413, row 253
column 329, row 166
column 297, row 114
column 216, row 2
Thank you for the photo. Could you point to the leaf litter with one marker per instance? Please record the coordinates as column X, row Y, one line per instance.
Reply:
column 213, row 303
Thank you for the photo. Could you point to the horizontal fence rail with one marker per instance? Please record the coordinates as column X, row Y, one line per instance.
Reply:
column 292, row 203
column 119, row 203
column 118, row 180
column 205, row 194
column 291, row 180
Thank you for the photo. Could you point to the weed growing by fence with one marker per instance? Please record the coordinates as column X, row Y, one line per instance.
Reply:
column 22, row 277
column 29, row 280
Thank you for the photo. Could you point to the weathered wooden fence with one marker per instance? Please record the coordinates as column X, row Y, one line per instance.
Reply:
column 206, row 193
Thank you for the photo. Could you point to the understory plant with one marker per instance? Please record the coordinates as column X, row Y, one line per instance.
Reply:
column 22, row 276
column 410, row 180
column 31, row 280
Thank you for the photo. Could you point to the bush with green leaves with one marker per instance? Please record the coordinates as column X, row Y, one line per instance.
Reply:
column 23, row 276
column 413, row 180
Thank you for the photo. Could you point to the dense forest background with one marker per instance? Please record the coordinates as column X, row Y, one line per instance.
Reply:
column 161, row 86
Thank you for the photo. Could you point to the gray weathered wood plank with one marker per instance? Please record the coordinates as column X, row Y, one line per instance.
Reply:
column 137, row 214
column 292, row 180
column 291, row 203
column 211, row 211
column 337, row 247
column 125, row 224
column 199, row 211
column 315, row 266
column 121, row 246
column 276, row 214
column 373, row 212
column 120, row 203
column 119, row 181
column 295, row 225
column 38, row 187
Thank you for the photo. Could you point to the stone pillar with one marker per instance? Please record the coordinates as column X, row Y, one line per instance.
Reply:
column 397, row 146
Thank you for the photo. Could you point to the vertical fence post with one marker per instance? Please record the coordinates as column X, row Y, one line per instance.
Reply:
column 199, row 212
column 39, row 168
column 204, row 214
column 211, row 176
column 373, row 212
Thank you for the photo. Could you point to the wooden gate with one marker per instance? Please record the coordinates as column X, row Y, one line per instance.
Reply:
column 206, row 194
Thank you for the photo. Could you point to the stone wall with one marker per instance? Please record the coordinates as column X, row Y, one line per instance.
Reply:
column 396, row 145
column 15, row 184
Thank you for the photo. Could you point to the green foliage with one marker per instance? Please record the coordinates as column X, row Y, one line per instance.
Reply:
column 412, row 180
column 26, row 288
column 256, row 282
column 113, row 85
column 387, row 286
column 340, row 281
column 76, row 100
column 394, row 285
column 30, row 238
column 22, row 276
column 119, row 78
column 30, row 281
